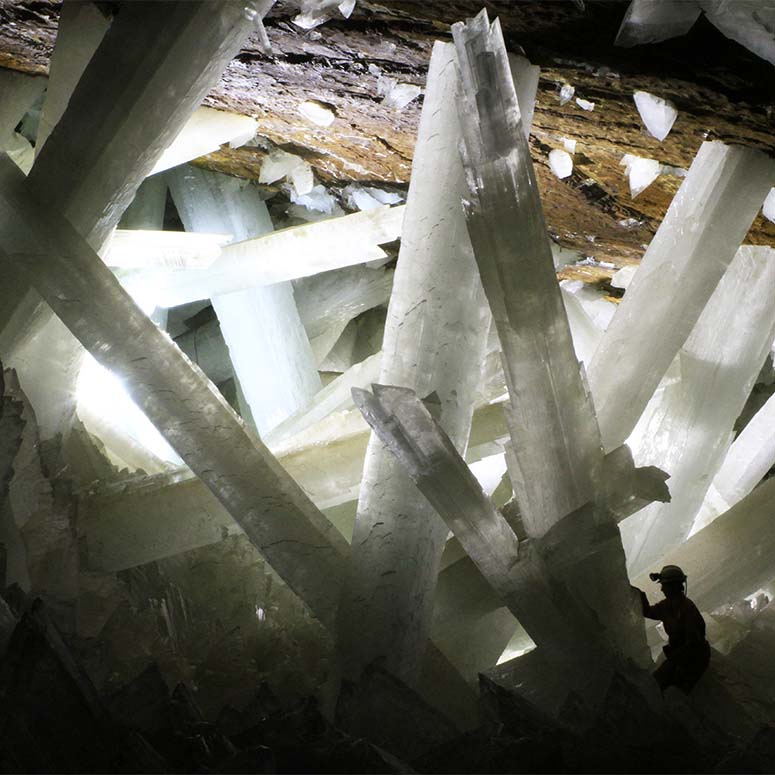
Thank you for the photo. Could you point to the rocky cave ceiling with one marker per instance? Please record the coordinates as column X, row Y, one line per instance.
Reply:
column 721, row 92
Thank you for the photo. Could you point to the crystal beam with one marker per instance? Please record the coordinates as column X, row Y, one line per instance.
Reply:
column 297, row 540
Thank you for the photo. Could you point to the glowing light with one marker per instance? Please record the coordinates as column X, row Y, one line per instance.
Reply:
column 509, row 654
column 106, row 398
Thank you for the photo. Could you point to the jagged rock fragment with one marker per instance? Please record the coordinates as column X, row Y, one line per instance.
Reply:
column 389, row 714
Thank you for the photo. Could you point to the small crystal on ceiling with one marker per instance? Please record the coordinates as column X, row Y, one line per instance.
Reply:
column 560, row 163
column 658, row 114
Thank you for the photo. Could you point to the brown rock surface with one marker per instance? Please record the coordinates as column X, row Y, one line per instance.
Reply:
column 721, row 92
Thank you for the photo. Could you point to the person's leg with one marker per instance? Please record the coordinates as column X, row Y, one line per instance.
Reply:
column 692, row 668
column 664, row 675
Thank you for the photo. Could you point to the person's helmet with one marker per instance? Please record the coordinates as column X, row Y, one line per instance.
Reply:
column 668, row 574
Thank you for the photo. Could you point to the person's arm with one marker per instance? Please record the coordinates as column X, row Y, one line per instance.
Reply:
column 649, row 611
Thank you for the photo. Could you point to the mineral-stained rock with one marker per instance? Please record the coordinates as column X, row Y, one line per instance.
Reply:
column 369, row 141
column 752, row 653
column 143, row 703
column 382, row 709
column 51, row 718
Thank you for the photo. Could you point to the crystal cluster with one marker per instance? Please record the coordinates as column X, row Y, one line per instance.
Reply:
column 455, row 462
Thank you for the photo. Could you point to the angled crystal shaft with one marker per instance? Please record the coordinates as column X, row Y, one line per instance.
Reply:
column 731, row 558
column 406, row 427
column 204, row 132
column 556, row 456
column 18, row 91
column 695, row 243
column 551, row 421
column 539, row 597
column 81, row 28
column 127, row 105
column 289, row 254
column 297, row 540
column 650, row 21
column 267, row 342
column 135, row 110
column 746, row 463
column 148, row 511
column 334, row 397
column 141, row 249
column 327, row 302
column 687, row 427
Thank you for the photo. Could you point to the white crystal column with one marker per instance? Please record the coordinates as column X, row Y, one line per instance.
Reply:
column 586, row 334
column 408, row 430
column 687, row 427
column 82, row 25
column 206, row 131
column 334, row 397
column 434, row 341
column 556, row 455
column 267, row 342
column 551, row 419
column 146, row 211
column 695, row 243
column 296, row 539
column 329, row 301
column 47, row 359
column 750, row 457
column 131, row 102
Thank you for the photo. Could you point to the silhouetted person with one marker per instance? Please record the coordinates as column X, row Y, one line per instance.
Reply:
column 687, row 653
